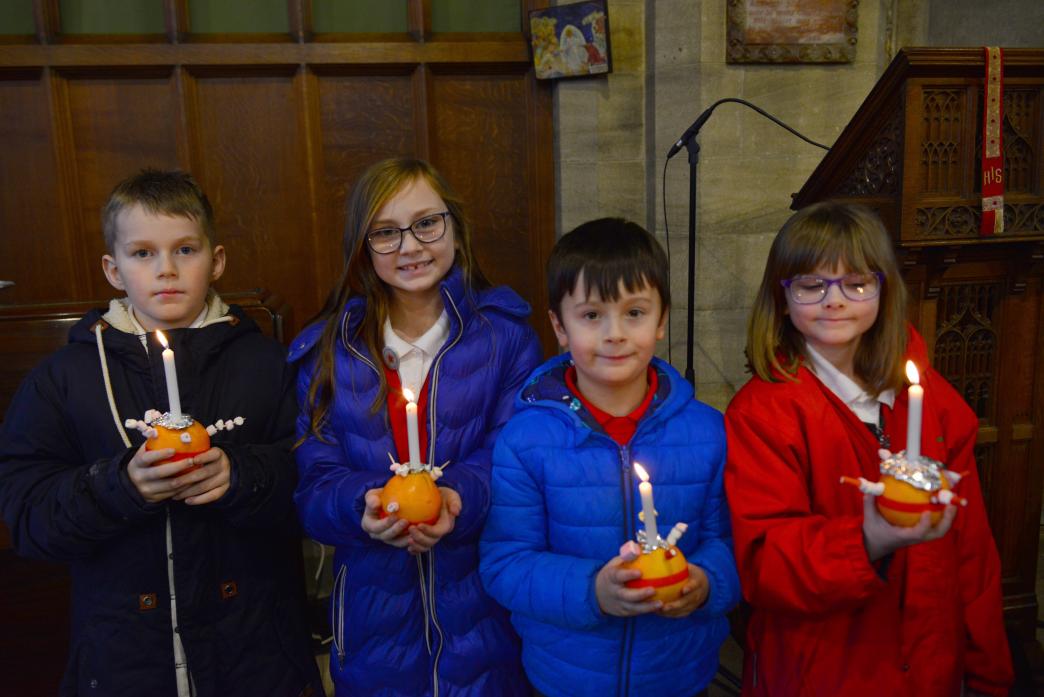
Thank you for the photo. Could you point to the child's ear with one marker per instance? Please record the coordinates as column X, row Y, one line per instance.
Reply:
column 560, row 332
column 661, row 330
column 218, row 264
column 112, row 273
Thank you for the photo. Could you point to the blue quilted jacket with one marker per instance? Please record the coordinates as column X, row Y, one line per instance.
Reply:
column 565, row 499
column 407, row 625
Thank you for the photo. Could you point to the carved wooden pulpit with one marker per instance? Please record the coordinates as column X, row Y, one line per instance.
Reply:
column 913, row 152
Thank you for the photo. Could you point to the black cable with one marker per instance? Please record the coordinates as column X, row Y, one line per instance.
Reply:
column 667, row 238
column 691, row 132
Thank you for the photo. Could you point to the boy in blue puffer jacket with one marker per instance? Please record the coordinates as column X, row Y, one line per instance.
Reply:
column 565, row 496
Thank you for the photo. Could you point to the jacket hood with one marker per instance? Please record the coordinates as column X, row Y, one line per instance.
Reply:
column 222, row 324
column 461, row 303
column 546, row 388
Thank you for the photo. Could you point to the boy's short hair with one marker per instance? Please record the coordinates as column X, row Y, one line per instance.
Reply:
column 607, row 251
column 165, row 192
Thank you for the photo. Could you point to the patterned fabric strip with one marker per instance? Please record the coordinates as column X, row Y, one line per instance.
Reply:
column 992, row 150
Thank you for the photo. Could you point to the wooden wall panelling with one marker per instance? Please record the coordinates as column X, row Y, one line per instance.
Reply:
column 540, row 201
column 307, row 87
column 365, row 115
column 34, row 250
column 121, row 122
column 1017, row 419
column 481, row 142
column 254, row 171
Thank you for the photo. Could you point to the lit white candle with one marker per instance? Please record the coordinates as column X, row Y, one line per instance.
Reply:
column 169, row 369
column 412, row 436
column 913, row 419
column 648, row 509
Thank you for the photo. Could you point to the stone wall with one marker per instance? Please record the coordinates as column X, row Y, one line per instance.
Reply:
column 612, row 134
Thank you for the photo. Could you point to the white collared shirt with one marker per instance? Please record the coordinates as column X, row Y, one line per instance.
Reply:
column 847, row 390
column 415, row 357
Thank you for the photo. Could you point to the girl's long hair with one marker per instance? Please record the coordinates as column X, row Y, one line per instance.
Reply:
column 829, row 233
column 378, row 185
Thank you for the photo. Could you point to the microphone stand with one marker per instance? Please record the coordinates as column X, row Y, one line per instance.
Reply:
column 693, row 148
column 688, row 141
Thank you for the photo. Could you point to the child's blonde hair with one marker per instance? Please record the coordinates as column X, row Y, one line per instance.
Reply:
column 829, row 233
column 378, row 184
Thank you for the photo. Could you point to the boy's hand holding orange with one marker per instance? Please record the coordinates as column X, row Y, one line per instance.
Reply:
column 693, row 595
column 614, row 597
column 154, row 482
column 209, row 479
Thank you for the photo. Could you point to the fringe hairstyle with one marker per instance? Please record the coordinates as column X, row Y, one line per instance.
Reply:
column 159, row 192
column 605, row 253
column 829, row 233
column 378, row 185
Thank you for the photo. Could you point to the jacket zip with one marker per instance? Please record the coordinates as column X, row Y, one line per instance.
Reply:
column 338, row 593
column 427, row 586
column 626, row 484
column 433, row 393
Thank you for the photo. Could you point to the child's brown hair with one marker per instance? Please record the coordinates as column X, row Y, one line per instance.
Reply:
column 378, row 184
column 829, row 233
column 159, row 192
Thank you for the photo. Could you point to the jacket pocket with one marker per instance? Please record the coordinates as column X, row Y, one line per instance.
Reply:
column 337, row 613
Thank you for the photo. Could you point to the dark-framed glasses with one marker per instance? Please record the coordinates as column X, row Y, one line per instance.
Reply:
column 428, row 229
column 809, row 289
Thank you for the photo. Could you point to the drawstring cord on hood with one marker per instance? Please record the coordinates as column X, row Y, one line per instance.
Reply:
column 108, row 385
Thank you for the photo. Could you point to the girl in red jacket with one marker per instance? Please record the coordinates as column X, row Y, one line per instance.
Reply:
column 843, row 602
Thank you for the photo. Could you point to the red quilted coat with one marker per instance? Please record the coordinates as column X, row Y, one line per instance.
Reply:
column 827, row 622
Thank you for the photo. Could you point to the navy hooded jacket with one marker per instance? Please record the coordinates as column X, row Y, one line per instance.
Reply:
column 66, row 496
column 565, row 499
column 404, row 625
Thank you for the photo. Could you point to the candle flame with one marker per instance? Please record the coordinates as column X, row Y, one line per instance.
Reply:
column 911, row 373
column 162, row 339
column 408, row 395
column 642, row 474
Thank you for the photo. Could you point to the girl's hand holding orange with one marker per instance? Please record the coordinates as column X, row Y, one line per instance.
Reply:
column 881, row 538
column 423, row 537
column 388, row 529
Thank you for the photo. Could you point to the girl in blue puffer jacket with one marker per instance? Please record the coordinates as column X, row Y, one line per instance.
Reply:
column 412, row 310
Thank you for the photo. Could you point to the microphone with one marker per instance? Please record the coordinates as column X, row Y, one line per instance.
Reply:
column 692, row 130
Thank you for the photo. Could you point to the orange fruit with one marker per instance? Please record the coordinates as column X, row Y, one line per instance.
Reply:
column 902, row 504
column 418, row 498
column 171, row 438
column 665, row 570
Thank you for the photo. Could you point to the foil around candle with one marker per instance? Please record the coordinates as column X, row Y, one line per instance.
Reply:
column 174, row 423
column 647, row 546
column 925, row 474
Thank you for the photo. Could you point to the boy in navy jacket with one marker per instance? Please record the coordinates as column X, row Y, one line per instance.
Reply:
column 184, row 583
column 565, row 497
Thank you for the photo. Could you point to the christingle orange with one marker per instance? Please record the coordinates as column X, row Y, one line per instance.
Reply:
column 908, row 488
column 180, row 432
column 411, row 493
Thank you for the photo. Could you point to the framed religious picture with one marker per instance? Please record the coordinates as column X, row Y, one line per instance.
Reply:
column 791, row 31
column 571, row 40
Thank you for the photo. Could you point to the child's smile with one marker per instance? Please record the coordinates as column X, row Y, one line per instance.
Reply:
column 416, row 268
